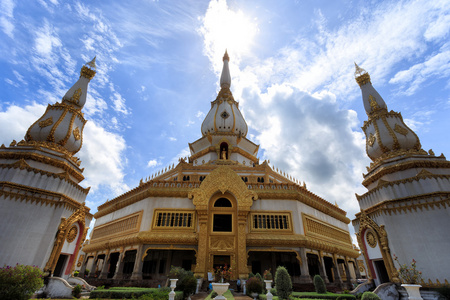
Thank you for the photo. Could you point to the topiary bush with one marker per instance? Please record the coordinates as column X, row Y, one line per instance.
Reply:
column 20, row 282
column 254, row 285
column 370, row 296
column 76, row 292
column 319, row 285
column 283, row 283
column 186, row 283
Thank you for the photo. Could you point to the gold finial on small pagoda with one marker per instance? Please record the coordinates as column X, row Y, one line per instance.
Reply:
column 225, row 56
column 361, row 75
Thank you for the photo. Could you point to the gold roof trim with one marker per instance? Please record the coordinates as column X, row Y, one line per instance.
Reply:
column 21, row 192
column 418, row 164
column 16, row 155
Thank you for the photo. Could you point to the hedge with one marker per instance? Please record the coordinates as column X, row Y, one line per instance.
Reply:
column 129, row 293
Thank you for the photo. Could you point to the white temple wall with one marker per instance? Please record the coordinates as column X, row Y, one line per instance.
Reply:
column 28, row 231
column 423, row 236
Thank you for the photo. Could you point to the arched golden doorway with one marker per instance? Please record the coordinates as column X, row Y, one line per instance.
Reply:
column 376, row 237
column 222, row 183
column 222, row 231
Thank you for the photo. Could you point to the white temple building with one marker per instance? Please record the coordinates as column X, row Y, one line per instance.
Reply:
column 220, row 206
column 43, row 216
column 405, row 211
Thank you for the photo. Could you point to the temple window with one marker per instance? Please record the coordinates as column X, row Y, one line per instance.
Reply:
column 222, row 202
column 222, row 223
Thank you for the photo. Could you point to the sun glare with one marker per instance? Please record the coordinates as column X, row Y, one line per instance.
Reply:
column 223, row 29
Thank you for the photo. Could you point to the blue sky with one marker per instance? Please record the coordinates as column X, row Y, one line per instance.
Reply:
column 292, row 70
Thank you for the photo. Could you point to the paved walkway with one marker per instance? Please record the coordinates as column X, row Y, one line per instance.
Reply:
column 203, row 295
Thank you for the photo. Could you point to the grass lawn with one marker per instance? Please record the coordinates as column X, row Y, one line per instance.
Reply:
column 306, row 294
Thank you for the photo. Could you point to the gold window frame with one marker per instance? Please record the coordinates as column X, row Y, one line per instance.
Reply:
column 287, row 214
column 158, row 211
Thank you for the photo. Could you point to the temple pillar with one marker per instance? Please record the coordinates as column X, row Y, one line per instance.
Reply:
column 357, row 272
column 322, row 269
column 119, row 267
column 200, row 267
column 304, row 269
column 242, row 245
column 337, row 274
column 105, row 268
column 138, row 263
column 83, row 266
column 93, row 265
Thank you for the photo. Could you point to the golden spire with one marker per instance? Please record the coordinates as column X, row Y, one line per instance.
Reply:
column 361, row 75
column 225, row 56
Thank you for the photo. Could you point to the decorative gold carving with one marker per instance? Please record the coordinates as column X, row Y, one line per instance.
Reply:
column 366, row 223
column 126, row 225
column 223, row 179
column 80, row 260
column 400, row 129
column 371, row 140
column 87, row 73
column 46, row 122
column 402, row 166
column 76, row 96
column 72, row 234
column 76, row 133
column 371, row 239
column 319, row 229
column 61, row 234
column 21, row 192
column 363, row 79
column 373, row 103
column 222, row 243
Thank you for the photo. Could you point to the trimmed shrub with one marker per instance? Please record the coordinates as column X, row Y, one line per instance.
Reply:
column 370, row 296
column 319, row 285
column 273, row 291
column 76, row 292
column 186, row 283
column 254, row 285
column 20, row 282
column 259, row 277
column 283, row 283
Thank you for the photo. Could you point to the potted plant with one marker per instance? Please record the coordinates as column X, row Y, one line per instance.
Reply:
column 222, row 275
column 411, row 278
column 254, row 287
column 268, row 281
column 174, row 275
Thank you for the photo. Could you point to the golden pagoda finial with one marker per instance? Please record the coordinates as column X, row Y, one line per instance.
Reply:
column 225, row 56
column 92, row 63
column 361, row 75
column 89, row 69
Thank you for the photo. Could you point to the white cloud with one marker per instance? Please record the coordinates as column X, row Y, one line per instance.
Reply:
column 102, row 156
column 118, row 101
column 153, row 163
column 200, row 115
column 7, row 17
column 224, row 28
column 172, row 139
column 434, row 66
column 15, row 121
column 45, row 40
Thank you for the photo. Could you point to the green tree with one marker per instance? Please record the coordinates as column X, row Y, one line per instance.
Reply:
column 20, row 282
column 283, row 283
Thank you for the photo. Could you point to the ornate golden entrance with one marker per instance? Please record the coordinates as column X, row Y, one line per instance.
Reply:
column 222, row 203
